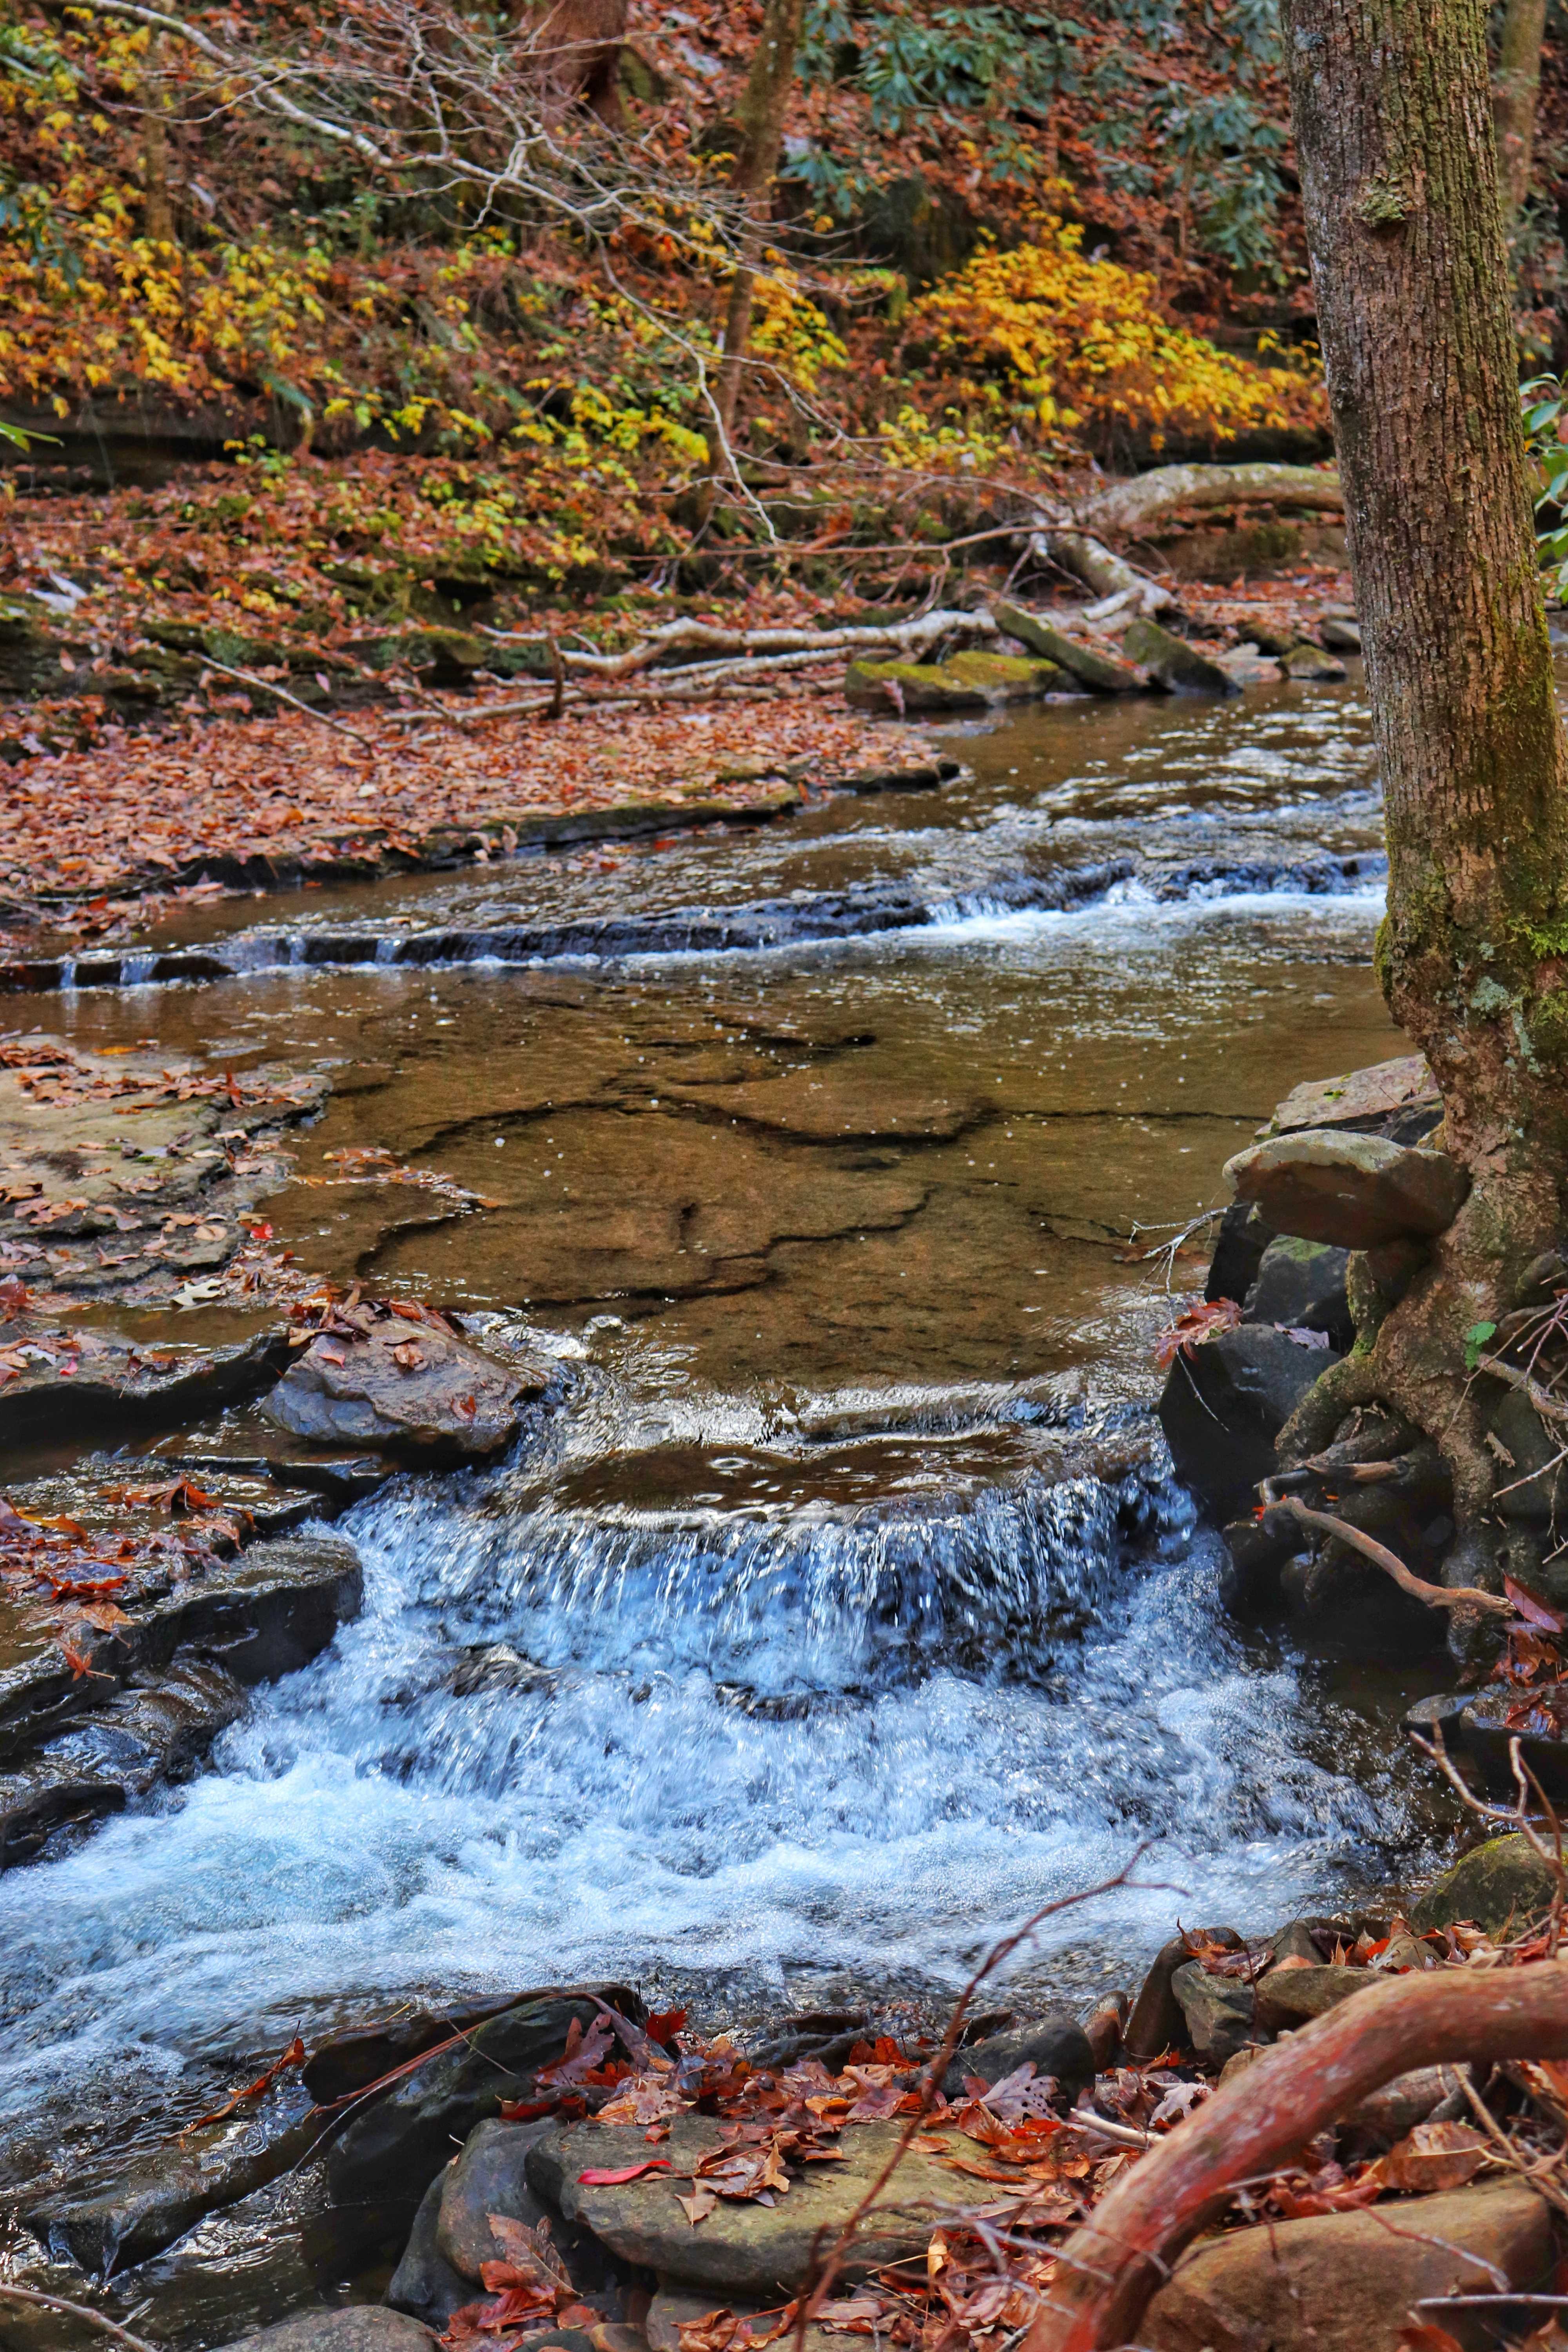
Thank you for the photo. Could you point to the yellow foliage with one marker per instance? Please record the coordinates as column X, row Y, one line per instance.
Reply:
column 1073, row 343
column 789, row 329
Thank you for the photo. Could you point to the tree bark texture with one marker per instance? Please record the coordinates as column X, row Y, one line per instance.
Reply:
column 1390, row 100
column 761, row 117
column 1515, row 87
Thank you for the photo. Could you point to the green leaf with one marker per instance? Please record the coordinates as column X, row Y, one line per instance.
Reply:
column 1476, row 1339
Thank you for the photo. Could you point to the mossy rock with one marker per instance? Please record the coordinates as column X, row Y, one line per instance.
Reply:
column 970, row 681
column 1501, row 1886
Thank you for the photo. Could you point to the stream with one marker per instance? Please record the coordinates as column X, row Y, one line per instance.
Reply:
column 845, row 1612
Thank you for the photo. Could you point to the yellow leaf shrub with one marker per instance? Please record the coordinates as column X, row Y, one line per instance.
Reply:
column 1073, row 344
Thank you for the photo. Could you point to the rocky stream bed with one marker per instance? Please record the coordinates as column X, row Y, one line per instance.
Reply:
column 590, row 1517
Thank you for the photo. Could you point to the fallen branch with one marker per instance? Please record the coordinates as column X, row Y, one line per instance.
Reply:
column 265, row 686
column 78, row 2311
column 1436, row 1596
column 1098, row 568
column 1129, row 508
column 698, row 637
column 1113, row 2263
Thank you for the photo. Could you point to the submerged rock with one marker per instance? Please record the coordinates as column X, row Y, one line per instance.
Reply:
column 1225, row 1403
column 1355, row 1190
column 1348, row 2281
column 1174, row 662
column 164, row 2195
column 410, row 1388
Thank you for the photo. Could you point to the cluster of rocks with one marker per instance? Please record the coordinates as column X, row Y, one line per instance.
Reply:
column 465, row 2136
column 1057, row 658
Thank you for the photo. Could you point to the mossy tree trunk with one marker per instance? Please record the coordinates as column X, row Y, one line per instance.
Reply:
column 761, row 117
column 1516, row 88
column 1392, row 123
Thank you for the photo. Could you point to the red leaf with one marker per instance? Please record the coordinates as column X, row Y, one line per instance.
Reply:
column 613, row 2176
column 1534, row 1612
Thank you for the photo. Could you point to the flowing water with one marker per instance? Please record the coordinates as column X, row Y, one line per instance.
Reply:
column 844, row 1613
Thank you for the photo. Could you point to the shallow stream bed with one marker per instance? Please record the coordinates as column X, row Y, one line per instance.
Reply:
column 843, row 1614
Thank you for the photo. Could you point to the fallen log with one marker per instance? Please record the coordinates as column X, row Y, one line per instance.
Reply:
column 696, row 638
column 1128, row 508
column 1098, row 568
column 1113, row 2264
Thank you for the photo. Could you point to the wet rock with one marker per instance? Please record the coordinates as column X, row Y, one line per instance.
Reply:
column 1338, row 634
column 1157, row 2022
column 353, row 2327
column 1174, row 662
column 166, row 2194
column 1243, row 1235
column 742, row 2248
column 1055, row 2045
column 1347, row 2282
column 1302, row 1286
column 348, row 2062
column 491, row 2176
column 411, row 1389
column 401, row 2141
column 1390, row 1098
column 1291, row 1997
column 1489, row 1727
column 496, row 1666
column 1500, row 1886
column 1316, row 668
column 83, row 1381
column 425, row 2285
column 1224, row 1405
column 1098, row 671
column 1218, row 2012
column 1356, row 1191
column 46, row 1796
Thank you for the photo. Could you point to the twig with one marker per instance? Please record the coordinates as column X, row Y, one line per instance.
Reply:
column 265, row 686
column 1551, row 1408
column 1436, row 1596
column 78, row 2311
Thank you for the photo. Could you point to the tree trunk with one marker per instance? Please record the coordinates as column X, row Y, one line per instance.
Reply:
column 761, row 117
column 1516, row 86
column 1405, row 229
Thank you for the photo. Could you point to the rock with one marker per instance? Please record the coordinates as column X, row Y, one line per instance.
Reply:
column 674, row 2307
column 971, row 681
column 1275, row 642
column 1224, row 1405
column 1009, row 677
column 1243, row 1235
column 1535, row 1482
column 489, row 2177
column 401, row 2141
column 425, row 2283
column 1390, row 1096
column 353, row 2327
column 1174, row 662
column 348, row 2062
column 1055, row 2045
column 1218, row 2011
column 1317, row 669
column 742, row 2248
column 1355, row 1190
column 1489, row 1734
column 1291, row 1997
column 1500, row 1886
column 1340, row 636
column 1387, row 2114
column 1095, row 670
column 161, row 2197
column 97, row 1381
column 1245, row 667
column 1348, row 2281
column 1157, row 2022
column 406, row 1387
column 1301, row 1286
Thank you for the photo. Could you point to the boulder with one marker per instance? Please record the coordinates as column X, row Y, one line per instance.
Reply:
column 353, row 2327
column 1500, row 1886
column 744, row 2249
column 1291, row 1996
column 1097, row 671
column 1315, row 665
column 1009, row 677
column 1355, row 1190
column 970, row 681
column 1225, row 1403
column 1349, row 2281
column 1218, row 2011
column 1535, row 1489
column 1244, row 1236
column 407, row 1388
column 489, row 2177
column 1174, row 662
column 1301, row 1286
column 399, row 2143
column 1055, row 2045
column 425, row 2285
